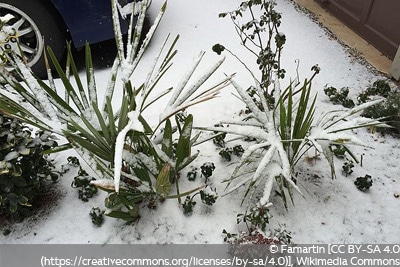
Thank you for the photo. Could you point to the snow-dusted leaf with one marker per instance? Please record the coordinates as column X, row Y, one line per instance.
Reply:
column 23, row 150
column 163, row 184
column 183, row 149
column 11, row 155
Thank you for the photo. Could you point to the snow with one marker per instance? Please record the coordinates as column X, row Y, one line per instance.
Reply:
column 331, row 210
column 133, row 124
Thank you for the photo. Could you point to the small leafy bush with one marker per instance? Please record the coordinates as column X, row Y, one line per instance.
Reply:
column 207, row 169
column 364, row 183
column 83, row 183
column 25, row 172
column 339, row 96
column 208, row 195
column 73, row 161
column 339, row 150
column 188, row 205
column 96, row 215
column 219, row 138
column 227, row 153
column 387, row 111
column 378, row 88
column 257, row 218
column 347, row 167
column 192, row 174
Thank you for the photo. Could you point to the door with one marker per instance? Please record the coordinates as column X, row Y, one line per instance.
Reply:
column 378, row 21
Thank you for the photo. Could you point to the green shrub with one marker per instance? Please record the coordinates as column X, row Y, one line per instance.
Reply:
column 339, row 96
column 96, row 214
column 347, row 167
column 82, row 182
column 24, row 170
column 378, row 88
column 227, row 153
column 363, row 183
column 387, row 111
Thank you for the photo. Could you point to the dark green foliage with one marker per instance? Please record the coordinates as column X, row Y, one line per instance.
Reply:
column 6, row 232
column 339, row 150
column 257, row 218
column 208, row 197
column 347, row 167
column 207, row 169
column 229, row 237
column 73, row 161
column 97, row 216
column 192, row 175
column 339, row 97
column 388, row 111
column 237, row 150
column 124, row 205
column 378, row 88
column 86, row 190
column 256, row 237
column 227, row 153
column 24, row 171
column 188, row 205
column 269, row 98
column 219, row 138
column 217, row 48
column 364, row 183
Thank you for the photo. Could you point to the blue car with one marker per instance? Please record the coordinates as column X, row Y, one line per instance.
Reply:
column 40, row 23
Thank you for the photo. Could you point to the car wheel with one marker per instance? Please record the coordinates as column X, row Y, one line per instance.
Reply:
column 34, row 27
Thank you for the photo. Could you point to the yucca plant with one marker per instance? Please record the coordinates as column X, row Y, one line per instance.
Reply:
column 137, row 160
column 283, row 123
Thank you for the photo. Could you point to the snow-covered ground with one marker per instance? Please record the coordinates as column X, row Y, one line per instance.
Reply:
column 332, row 211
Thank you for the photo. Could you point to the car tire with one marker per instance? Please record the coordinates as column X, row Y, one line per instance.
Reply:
column 37, row 26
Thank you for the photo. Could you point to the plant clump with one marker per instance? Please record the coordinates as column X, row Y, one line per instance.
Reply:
column 281, row 122
column 339, row 96
column 96, row 214
column 363, row 183
column 227, row 153
column 387, row 111
column 25, row 172
column 208, row 194
column 83, row 183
